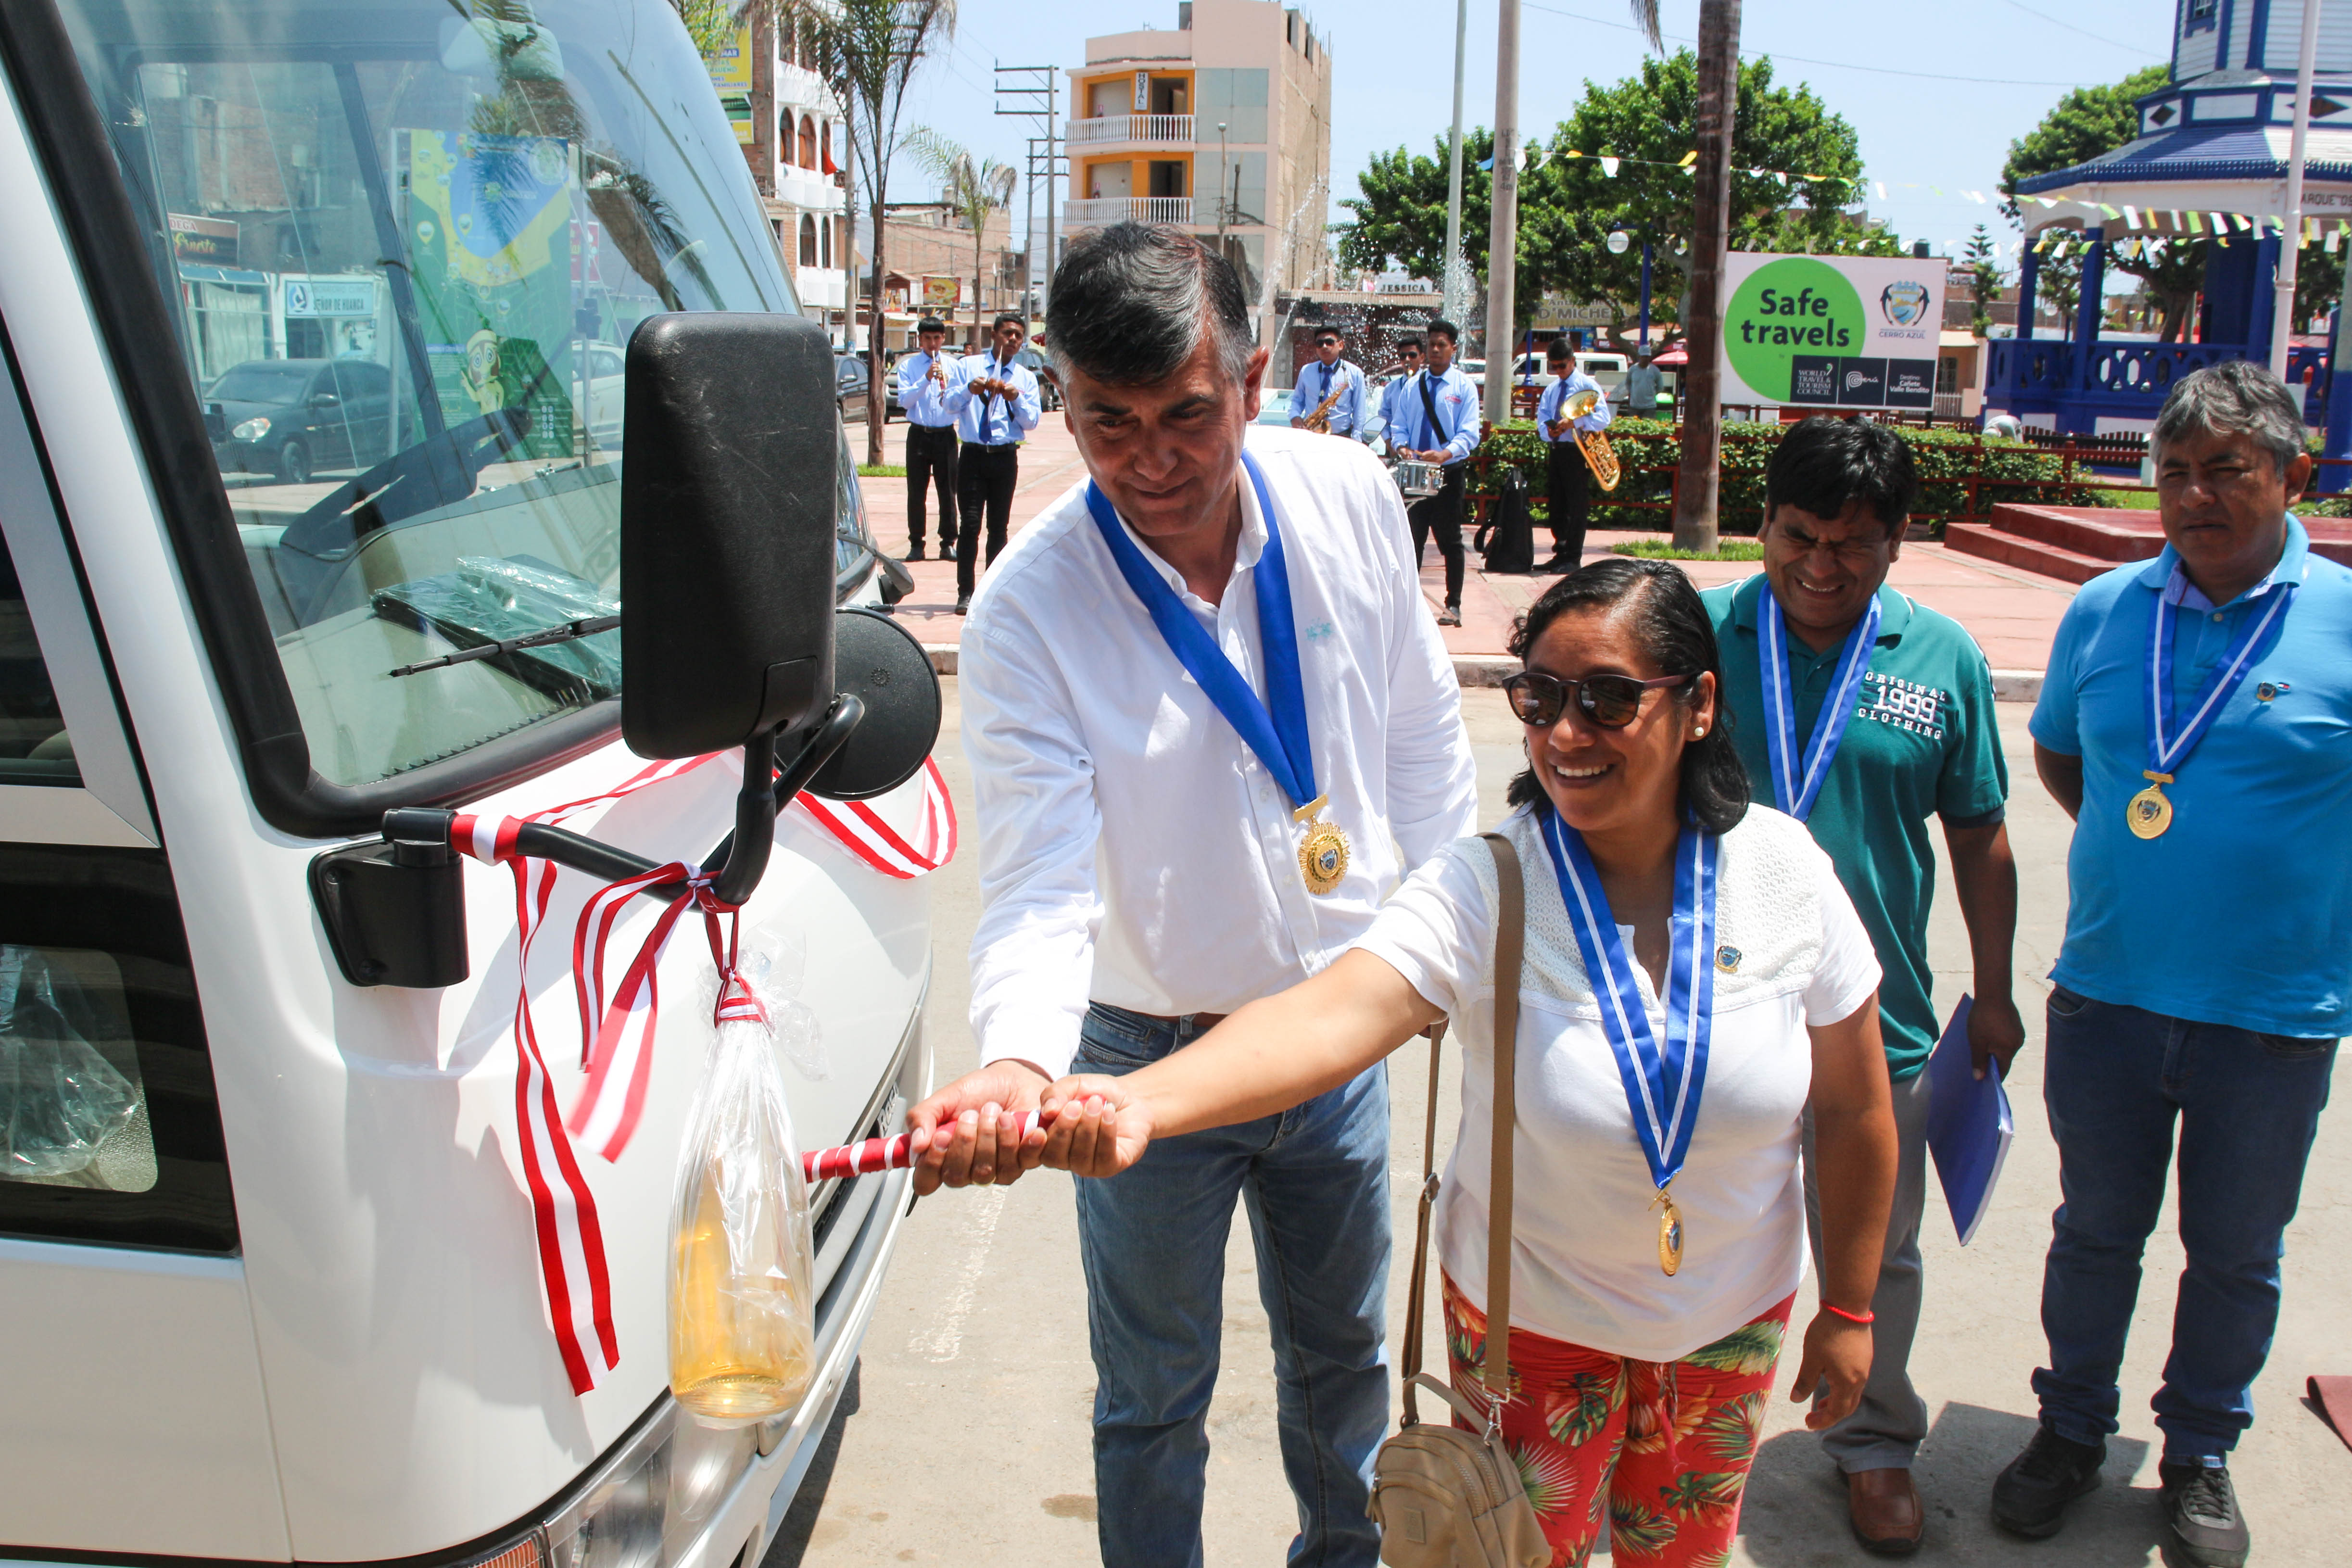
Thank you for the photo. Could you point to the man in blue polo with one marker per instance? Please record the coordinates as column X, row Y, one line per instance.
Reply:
column 2192, row 723
column 1866, row 714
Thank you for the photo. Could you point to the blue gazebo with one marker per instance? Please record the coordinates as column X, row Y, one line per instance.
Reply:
column 2210, row 161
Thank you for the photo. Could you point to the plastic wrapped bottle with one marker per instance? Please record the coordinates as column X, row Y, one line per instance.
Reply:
column 742, row 1317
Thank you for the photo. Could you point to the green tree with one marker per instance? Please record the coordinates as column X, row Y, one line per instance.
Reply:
column 2085, row 123
column 972, row 189
column 1568, row 205
column 1984, row 280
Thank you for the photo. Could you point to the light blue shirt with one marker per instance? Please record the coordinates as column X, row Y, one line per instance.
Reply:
column 1457, row 415
column 1389, row 394
column 922, row 399
column 992, row 421
column 1316, row 381
column 1559, row 392
column 2240, row 913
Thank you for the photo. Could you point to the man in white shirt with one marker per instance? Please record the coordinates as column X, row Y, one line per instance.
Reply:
column 994, row 402
column 1437, row 421
column 1570, row 476
column 923, row 383
column 1161, row 756
column 1316, row 383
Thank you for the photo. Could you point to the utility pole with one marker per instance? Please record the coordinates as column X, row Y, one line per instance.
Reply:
column 1033, row 94
column 1502, row 234
column 2291, row 241
column 1453, row 271
column 1222, row 160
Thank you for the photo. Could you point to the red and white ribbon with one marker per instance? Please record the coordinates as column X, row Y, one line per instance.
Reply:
column 895, row 1154
column 616, row 1036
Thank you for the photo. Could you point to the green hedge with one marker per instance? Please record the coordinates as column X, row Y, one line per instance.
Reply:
column 2012, row 472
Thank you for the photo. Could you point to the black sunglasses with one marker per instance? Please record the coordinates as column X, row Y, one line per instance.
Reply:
column 1611, row 702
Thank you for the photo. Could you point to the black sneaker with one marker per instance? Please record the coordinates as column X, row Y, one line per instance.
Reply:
column 2202, row 1508
column 964, row 604
column 2030, row 1496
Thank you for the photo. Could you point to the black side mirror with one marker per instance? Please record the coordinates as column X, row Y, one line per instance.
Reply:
column 880, row 664
column 727, row 531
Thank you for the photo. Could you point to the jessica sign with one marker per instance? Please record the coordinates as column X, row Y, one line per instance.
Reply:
column 1842, row 331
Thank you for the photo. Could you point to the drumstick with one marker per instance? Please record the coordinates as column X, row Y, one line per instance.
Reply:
column 895, row 1154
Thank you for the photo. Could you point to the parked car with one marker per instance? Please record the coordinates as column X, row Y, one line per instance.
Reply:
column 1049, row 396
column 292, row 418
column 850, row 382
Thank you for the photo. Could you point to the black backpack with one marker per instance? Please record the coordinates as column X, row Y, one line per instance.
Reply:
column 1507, row 540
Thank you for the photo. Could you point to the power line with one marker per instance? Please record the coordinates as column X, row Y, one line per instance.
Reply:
column 1804, row 59
column 2095, row 37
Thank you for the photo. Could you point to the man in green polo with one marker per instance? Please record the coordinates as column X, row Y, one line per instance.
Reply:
column 1865, row 713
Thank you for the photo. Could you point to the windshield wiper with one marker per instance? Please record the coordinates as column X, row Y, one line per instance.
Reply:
column 586, row 628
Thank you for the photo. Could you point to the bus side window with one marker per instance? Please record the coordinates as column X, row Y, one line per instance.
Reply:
column 34, row 745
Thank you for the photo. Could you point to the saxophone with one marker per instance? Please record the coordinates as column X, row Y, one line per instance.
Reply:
column 1599, row 456
column 1320, row 420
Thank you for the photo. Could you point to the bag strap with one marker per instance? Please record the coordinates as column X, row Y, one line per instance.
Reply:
column 1510, row 928
column 1429, row 402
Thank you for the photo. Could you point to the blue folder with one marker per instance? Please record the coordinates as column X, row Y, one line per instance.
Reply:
column 1968, row 1125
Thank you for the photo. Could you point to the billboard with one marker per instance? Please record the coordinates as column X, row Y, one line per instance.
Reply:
column 1842, row 331
column 730, row 78
column 941, row 294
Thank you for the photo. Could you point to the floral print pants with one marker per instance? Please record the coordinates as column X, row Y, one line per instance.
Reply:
column 1662, row 1449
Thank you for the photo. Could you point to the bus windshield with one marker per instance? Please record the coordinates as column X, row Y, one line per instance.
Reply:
column 406, row 243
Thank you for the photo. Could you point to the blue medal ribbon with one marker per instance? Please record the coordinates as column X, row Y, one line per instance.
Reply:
column 2170, row 741
column 1276, row 729
column 1663, row 1085
column 1799, row 772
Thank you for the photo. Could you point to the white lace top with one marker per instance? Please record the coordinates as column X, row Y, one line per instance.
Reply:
column 1584, row 1232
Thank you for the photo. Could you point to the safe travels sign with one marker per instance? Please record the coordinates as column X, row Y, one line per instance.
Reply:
column 1840, row 332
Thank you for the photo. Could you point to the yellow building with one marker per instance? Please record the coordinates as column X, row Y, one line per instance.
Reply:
column 1222, row 127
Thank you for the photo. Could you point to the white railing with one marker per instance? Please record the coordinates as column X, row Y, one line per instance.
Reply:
column 1105, row 210
column 1131, row 128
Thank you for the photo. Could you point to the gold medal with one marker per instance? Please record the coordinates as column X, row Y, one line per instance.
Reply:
column 2148, row 812
column 1670, row 1231
column 1323, row 853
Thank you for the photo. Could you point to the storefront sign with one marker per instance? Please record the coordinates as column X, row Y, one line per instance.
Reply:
column 730, row 76
column 1844, row 331
column 210, row 240
column 330, row 296
column 1143, row 92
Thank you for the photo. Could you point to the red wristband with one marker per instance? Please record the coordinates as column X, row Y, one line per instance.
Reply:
column 1865, row 1317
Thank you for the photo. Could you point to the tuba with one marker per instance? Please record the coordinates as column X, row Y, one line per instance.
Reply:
column 1598, row 455
column 1320, row 420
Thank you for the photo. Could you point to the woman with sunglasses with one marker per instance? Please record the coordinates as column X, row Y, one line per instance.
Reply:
column 1693, row 973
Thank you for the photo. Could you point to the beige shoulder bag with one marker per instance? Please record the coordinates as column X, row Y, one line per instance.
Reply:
column 1444, row 1498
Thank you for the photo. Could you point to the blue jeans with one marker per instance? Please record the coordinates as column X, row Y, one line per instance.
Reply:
column 2117, row 1080
column 1315, row 1182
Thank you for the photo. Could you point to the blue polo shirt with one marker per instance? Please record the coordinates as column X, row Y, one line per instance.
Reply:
column 2241, row 913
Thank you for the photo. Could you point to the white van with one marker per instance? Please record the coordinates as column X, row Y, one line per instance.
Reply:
column 283, row 1217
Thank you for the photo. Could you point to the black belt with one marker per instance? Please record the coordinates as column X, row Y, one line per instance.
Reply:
column 995, row 446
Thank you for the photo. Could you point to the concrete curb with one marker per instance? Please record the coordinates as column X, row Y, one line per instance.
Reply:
column 1493, row 669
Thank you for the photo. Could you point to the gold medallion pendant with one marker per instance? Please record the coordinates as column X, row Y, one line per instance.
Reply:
column 2148, row 812
column 1670, row 1231
column 1323, row 853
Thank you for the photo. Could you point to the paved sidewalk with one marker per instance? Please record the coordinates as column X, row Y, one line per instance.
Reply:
column 2012, row 613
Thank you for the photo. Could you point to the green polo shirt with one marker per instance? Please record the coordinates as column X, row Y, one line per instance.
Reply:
column 1923, row 742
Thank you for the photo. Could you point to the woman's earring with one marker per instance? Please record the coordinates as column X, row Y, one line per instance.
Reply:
column 1699, row 733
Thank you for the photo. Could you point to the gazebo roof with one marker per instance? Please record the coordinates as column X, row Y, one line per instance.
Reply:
column 2254, row 154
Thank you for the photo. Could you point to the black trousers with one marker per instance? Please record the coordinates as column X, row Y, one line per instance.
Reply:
column 931, row 466
column 1570, row 489
column 984, row 479
column 1442, row 514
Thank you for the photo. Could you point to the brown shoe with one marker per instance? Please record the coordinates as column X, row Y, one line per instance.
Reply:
column 1884, row 1505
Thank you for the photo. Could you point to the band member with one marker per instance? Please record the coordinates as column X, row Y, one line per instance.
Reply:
column 1316, row 383
column 923, row 381
column 994, row 401
column 1210, row 729
column 1438, row 422
column 1408, row 350
column 1866, row 715
column 1571, row 479
column 2190, row 725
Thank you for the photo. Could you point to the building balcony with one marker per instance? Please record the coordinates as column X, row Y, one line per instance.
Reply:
column 1108, row 128
column 1103, row 211
column 808, row 190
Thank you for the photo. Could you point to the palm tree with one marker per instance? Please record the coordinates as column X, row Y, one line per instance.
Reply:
column 969, row 188
column 869, row 50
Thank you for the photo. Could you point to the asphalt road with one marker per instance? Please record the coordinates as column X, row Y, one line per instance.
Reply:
column 964, row 1433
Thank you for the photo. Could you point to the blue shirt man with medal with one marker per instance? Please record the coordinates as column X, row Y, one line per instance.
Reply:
column 2196, row 724
column 1866, row 715
column 1211, row 728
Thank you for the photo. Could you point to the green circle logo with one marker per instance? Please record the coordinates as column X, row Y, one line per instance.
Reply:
column 1794, row 308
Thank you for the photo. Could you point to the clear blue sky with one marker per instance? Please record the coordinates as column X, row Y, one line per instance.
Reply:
column 1392, row 80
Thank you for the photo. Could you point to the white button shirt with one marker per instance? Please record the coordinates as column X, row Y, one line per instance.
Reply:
column 1133, row 850
column 993, row 420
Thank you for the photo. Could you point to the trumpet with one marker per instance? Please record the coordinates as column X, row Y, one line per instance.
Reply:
column 1593, row 443
column 1320, row 420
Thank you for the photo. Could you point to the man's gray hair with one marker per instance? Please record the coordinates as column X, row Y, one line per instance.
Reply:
column 2237, row 397
column 1131, row 302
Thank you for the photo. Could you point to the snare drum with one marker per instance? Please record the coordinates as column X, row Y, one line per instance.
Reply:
column 1417, row 479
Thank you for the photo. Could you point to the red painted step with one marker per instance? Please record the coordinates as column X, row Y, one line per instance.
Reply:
column 2075, row 543
column 2027, row 554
